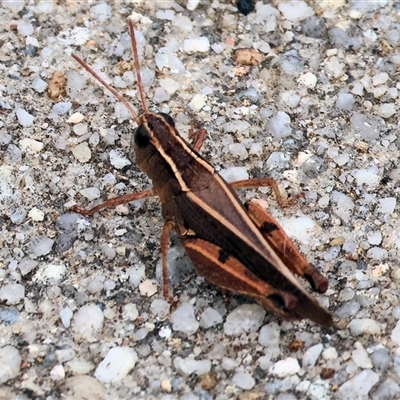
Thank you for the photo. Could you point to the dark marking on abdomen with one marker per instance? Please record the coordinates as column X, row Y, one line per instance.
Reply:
column 268, row 227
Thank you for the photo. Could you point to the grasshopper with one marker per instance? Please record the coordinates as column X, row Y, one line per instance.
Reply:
column 239, row 247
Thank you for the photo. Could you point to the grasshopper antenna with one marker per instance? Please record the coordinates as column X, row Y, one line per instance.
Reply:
column 111, row 89
column 137, row 64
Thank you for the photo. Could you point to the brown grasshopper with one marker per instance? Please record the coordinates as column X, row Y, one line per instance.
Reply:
column 239, row 247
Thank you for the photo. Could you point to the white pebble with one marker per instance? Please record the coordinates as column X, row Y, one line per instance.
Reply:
column 380, row 78
column 91, row 193
column 360, row 356
column 238, row 150
column 64, row 355
column 66, row 316
column 367, row 176
column 60, row 108
column 210, row 317
column 108, row 251
column 53, row 273
column 243, row 380
column 200, row 44
column 165, row 14
column 374, row 238
column 386, row 110
column 88, row 322
column 387, row 205
column 102, row 12
column 345, row 101
column 116, row 365
column 96, row 284
column 183, row 319
column 330, row 354
column 75, row 118
column 24, row 28
column 26, row 265
column 308, row 80
column 192, row 4
column 290, row 98
column 81, row 386
column 270, row 335
column 343, row 205
column 57, row 373
column 10, row 363
column 160, row 308
column 12, row 293
column 160, row 96
column 36, row 215
column 30, row 145
column 299, row 228
column 188, row 366
column 136, row 274
column 118, row 159
column 311, row 355
column 39, row 85
column 148, row 288
column 243, row 319
column 395, row 335
column 40, row 246
column 80, row 128
column 361, row 326
column 359, row 386
column 295, row 10
column 169, row 85
column 284, row 368
column 217, row 47
column 234, row 174
column 198, row 102
column 82, row 152
column 279, row 125
column 130, row 312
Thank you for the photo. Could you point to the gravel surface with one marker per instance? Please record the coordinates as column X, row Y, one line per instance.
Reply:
column 306, row 92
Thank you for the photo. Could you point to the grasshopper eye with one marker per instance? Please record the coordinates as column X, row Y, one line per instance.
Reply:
column 142, row 136
column 168, row 119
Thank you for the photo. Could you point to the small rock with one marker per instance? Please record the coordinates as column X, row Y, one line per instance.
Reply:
column 188, row 366
column 210, row 317
column 360, row 326
column 359, row 386
column 360, row 356
column 88, row 322
column 148, row 288
column 311, row 355
column 308, row 80
column 10, row 363
column 75, row 118
column 183, row 319
column 130, row 312
column 91, row 193
column 270, row 335
column 243, row 319
column 36, row 215
column 279, row 125
column 243, row 380
column 57, row 373
column 118, row 159
column 198, row 102
column 30, row 145
column 83, row 387
column 82, row 152
column 12, row 293
column 200, row 44
column 24, row 118
column 160, row 308
column 116, row 365
column 284, row 368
